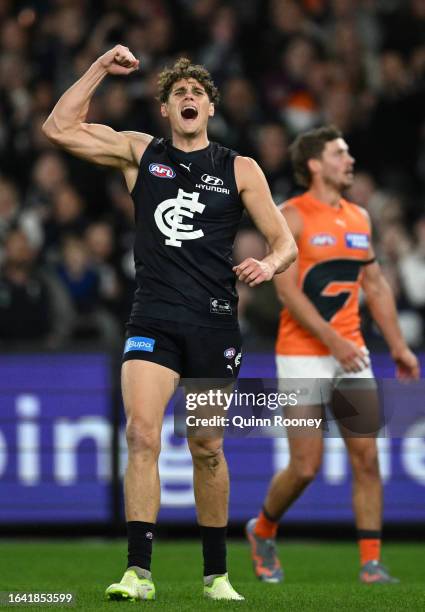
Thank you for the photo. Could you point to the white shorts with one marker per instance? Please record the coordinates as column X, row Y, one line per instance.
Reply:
column 320, row 374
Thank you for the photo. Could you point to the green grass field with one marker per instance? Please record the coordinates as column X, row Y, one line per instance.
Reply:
column 319, row 576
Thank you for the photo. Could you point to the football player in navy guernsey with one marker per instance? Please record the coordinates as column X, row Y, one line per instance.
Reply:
column 189, row 195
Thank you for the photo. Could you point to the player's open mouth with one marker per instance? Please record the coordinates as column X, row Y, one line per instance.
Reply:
column 189, row 112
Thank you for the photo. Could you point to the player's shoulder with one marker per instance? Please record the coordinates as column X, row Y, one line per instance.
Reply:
column 294, row 205
column 247, row 172
column 293, row 213
column 245, row 164
column 219, row 151
column 139, row 142
column 357, row 210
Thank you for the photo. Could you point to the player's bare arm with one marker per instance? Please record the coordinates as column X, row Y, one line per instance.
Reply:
column 66, row 126
column 257, row 199
column 303, row 310
column 380, row 301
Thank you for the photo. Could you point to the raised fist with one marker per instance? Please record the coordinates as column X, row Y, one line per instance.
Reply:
column 119, row 60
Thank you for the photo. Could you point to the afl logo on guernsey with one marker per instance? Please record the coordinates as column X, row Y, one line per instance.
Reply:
column 323, row 240
column 161, row 171
column 229, row 353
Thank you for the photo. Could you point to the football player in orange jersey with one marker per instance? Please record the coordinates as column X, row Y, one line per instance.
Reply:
column 319, row 336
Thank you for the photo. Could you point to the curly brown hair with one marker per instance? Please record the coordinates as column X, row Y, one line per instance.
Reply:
column 310, row 145
column 184, row 69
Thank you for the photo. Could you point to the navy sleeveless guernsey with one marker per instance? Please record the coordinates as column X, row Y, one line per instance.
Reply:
column 187, row 210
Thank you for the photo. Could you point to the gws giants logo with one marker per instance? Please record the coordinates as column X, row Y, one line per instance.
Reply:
column 161, row 171
column 211, row 180
column 169, row 216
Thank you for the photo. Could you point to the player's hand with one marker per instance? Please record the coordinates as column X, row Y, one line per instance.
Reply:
column 407, row 364
column 350, row 356
column 119, row 61
column 253, row 272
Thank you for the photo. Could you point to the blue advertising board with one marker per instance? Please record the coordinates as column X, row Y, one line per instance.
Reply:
column 55, row 438
column 56, row 446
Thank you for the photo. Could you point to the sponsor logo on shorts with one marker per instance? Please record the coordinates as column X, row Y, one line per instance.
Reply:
column 218, row 306
column 323, row 240
column 139, row 343
column 357, row 241
column 229, row 353
column 162, row 171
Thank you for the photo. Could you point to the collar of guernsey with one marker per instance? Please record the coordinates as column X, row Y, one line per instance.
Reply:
column 187, row 210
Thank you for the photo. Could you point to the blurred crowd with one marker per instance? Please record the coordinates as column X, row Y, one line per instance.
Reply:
column 283, row 66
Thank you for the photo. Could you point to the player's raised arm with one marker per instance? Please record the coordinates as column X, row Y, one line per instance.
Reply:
column 257, row 199
column 66, row 125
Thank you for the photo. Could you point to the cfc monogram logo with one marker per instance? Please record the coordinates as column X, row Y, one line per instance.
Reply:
column 169, row 218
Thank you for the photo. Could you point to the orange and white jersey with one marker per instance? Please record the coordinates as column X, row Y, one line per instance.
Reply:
column 332, row 248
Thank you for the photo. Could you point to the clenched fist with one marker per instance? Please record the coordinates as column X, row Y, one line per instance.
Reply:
column 119, row 60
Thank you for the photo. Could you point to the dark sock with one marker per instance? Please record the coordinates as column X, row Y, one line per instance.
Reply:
column 140, row 537
column 368, row 534
column 269, row 517
column 214, row 550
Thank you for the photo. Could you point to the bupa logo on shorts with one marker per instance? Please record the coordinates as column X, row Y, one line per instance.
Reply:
column 357, row 241
column 139, row 343
column 161, row 171
column 211, row 180
column 229, row 353
column 323, row 240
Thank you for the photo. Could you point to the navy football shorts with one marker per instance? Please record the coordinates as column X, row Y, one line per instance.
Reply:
column 190, row 350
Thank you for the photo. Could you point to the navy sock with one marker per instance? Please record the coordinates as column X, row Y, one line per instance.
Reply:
column 214, row 549
column 140, row 538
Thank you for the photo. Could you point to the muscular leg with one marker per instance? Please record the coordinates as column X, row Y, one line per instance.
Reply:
column 211, row 486
column 305, row 458
column 147, row 388
column 367, row 503
column 210, row 481
column 367, row 487
column 359, row 433
column 287, row 485
column 210, row 473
